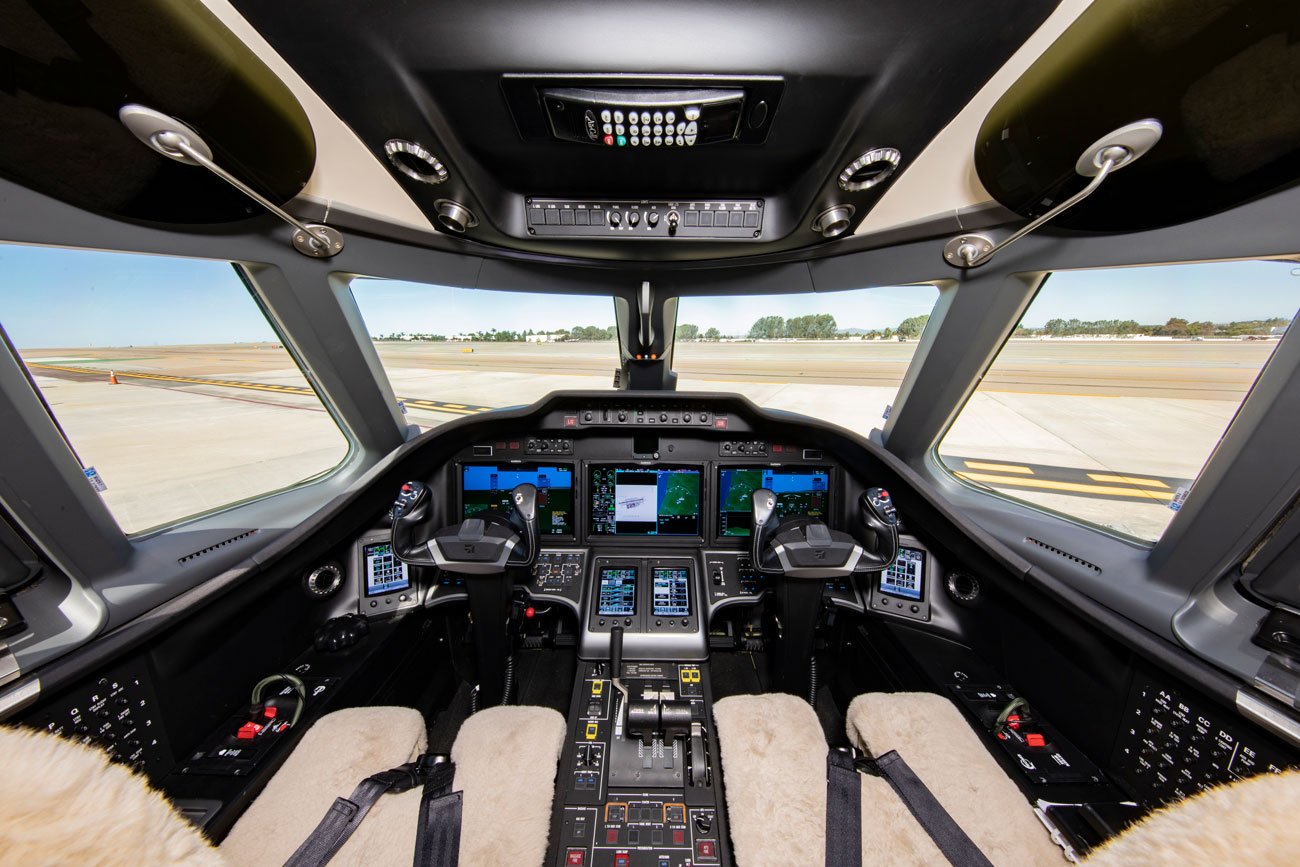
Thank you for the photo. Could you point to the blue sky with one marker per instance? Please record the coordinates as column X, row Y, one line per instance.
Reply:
column 76, row 298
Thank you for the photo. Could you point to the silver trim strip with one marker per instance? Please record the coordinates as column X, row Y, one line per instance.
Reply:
column 19, row 697
column 1270, row 717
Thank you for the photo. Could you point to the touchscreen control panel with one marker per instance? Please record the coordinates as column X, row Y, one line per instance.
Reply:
column 901, row 589
column 644, row 594
column 644, row 501
column 385, row 583
column 800, row 492
column 488, row 486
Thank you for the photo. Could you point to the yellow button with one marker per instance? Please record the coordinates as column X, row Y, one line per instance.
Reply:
column 597, row 687
column 592, row 730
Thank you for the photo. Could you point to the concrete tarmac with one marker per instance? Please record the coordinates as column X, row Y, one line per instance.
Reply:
column 1120, row 408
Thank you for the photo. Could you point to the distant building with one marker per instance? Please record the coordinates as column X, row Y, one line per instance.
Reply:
column 543, row 338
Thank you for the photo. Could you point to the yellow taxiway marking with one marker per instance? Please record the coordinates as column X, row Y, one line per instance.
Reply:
column 419, row 403
column 1126, row 480
column 1073, row 487
column 999, row 468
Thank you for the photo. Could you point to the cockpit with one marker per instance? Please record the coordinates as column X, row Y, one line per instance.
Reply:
column 642, row 434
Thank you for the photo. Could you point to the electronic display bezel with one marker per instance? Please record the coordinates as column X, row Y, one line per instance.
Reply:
column 369, row 591
column 832, row 486
column 921, row 590
column 576, row 514
column 592, row 467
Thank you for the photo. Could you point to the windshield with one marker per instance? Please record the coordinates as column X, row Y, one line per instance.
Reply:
column 450, row 352
column 838, row 356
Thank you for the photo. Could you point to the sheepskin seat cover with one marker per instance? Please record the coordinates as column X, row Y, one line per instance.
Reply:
column 1248, row 822
column 935, row 740
column 340, row 750
column 64, row 803
column 506, row 759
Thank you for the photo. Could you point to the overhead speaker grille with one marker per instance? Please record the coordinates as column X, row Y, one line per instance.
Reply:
column 871, row 168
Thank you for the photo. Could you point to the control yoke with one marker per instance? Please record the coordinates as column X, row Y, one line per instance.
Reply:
column 484, row 549
column 486, row 544
column 806, row 553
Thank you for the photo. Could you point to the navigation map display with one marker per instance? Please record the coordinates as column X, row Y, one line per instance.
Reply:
column 800, row 491
column 906, row 577
column 645, row 501
column 488, row 486
column 617, row 592
column 384, row 572
column 672, row 594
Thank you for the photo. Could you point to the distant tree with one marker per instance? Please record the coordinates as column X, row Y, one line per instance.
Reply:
column 713, row 334
column 687, row 331
column 913, row 326
column 768, row 328
column 888, row 334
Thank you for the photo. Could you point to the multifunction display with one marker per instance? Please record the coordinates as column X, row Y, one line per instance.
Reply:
column 617, row 591
column 488, row 486
column 800, row 491
column 645, row 501
column 906, row 577
column 672, row 594
column 384, row 572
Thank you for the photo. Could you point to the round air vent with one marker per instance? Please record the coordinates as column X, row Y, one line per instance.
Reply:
column 963, row 587
column 873, row 167
column 834, row 221
column 412, row 160
column 323, row 581
column 454, row 216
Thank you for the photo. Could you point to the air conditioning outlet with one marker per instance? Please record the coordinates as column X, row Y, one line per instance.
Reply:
column 1066, row 554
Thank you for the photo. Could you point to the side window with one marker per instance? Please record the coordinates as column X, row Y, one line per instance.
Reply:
column 1118, row 384
column 169, row 384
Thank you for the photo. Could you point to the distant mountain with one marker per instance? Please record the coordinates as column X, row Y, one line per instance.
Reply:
column 853, row 331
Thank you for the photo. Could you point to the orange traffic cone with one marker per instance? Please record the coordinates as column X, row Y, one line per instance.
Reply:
column 112, row 377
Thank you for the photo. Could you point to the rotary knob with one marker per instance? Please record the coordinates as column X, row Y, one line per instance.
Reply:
column 652, row 218
column 615, row 218
column 633, row 218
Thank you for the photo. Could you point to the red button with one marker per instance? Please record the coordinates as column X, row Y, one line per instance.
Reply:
column 1036, row 740
column 1013, row 722
column 705, row 849
column 577, row 857
column 621, row 859
column 679, row 837
column 609, row 139
column 248, row 731
column 611, row 835
column 570, row 421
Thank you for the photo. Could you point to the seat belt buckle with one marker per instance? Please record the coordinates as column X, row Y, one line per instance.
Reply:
column 401, row 779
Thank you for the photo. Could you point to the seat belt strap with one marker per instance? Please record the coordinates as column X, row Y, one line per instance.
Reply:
column 843, row 811
column 345, row 814
column 437, row 839
column 952, row 841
